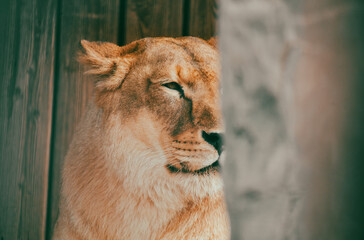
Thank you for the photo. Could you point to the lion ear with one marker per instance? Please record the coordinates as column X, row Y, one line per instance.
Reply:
column 109, row 62
column 213, row 41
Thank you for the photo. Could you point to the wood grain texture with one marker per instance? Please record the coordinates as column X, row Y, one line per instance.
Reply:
column 153, row 18
column 26, row 69
column 202, row 18
column 93, row 20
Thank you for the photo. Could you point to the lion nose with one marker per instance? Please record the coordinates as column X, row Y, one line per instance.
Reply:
column 215, row 139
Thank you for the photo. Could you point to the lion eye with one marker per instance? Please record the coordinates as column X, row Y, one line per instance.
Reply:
column 174, row 86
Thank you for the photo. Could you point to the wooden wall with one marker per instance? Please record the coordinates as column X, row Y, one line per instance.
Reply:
column 43, row 91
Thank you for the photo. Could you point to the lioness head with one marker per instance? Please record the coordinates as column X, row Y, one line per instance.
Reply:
column 159, row 104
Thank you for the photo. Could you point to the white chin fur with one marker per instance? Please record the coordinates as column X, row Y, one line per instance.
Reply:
column 143, row 171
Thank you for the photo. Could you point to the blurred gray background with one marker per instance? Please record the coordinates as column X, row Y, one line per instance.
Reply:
column 293, row 95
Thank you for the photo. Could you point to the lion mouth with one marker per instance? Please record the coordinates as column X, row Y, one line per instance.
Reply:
column 214, row 167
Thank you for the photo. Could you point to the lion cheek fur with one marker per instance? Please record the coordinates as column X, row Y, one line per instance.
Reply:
column 105, row 197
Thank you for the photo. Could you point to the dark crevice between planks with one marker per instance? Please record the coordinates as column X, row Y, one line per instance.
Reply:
column 11, row 92
column 121, row 38
column 49, row 227
column 186, row 18
column 11, row 86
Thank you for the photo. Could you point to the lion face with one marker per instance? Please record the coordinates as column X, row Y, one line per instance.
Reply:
column 160, row 103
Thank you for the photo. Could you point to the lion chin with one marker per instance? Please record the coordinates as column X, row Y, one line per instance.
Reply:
column 145, row 160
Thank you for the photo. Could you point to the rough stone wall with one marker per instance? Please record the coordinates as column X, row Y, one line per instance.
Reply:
column 291, row 72
column 257, row 40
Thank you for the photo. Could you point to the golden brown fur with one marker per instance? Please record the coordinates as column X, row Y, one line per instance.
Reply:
column 117, row 177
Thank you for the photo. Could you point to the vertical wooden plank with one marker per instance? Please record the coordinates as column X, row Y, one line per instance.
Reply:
column 93, row 20
column 329, row 94
column 202, row 18
column 153, row 18
column 26, row 69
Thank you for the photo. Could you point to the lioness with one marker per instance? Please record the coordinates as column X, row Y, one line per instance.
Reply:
column 144, row 162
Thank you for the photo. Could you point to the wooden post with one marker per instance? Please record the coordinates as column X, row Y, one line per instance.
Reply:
column 160, row 18
column 93, row 20
column 201, row 18
column 27, row 54
column 329, row 94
